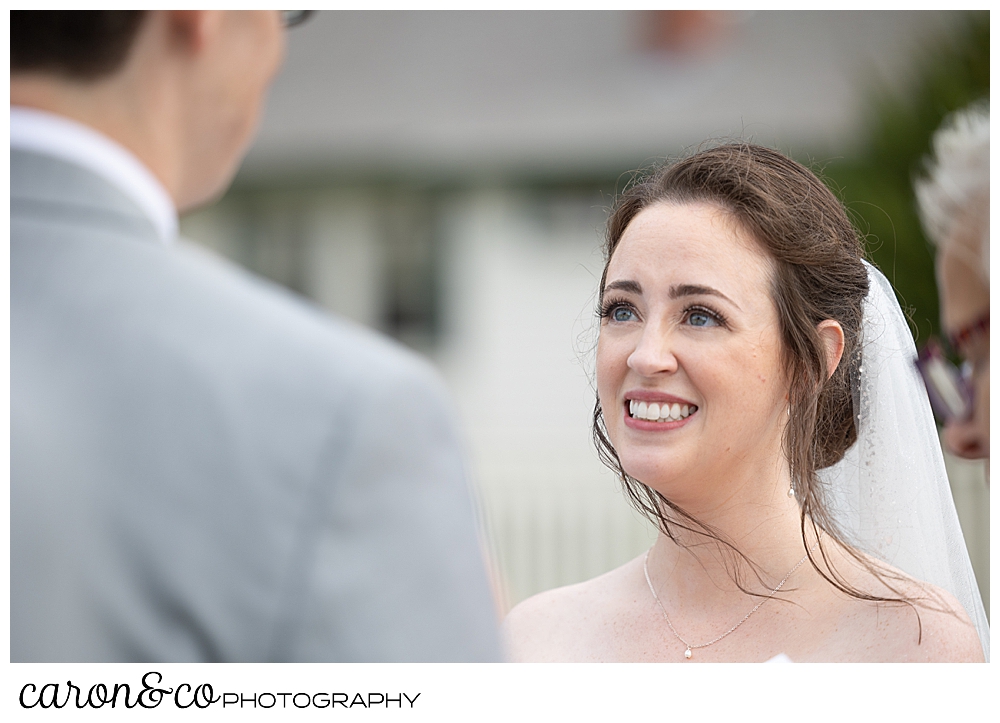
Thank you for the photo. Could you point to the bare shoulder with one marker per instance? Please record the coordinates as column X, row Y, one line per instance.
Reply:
column 568, row 624
column 932, row 627
column 945, row 634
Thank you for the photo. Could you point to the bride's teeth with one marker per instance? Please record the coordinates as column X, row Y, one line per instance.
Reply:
column 656, row 412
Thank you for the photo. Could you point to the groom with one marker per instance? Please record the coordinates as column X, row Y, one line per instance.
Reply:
column 203, row 467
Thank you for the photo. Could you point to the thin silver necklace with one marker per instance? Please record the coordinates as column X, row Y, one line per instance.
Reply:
column 688, row 653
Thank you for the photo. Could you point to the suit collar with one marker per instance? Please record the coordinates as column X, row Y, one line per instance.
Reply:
column 55, row 191
column 60, row 138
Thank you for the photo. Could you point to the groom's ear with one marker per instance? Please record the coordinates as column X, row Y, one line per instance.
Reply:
column 192, row 30
column 832, row 336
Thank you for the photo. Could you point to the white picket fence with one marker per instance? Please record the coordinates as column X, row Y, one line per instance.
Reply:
column 544, row 537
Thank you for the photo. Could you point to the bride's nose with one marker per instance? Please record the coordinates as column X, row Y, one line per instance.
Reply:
column 654, row 354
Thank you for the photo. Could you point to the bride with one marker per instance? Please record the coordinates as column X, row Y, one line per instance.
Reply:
column 757, row 399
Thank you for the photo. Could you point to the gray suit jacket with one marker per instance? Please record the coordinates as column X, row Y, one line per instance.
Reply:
column 204, row 468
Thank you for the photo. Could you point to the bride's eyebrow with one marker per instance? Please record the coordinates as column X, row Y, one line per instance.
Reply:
column 679, row 290
column 628, row 285
column 676, row 291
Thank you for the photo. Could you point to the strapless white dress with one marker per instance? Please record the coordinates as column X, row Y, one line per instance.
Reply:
column 780, row 658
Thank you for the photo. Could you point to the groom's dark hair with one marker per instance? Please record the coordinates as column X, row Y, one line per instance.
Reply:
column 79, row 44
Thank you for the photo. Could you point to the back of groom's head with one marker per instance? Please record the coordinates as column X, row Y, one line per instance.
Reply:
column 181, row 89
column 81, row 44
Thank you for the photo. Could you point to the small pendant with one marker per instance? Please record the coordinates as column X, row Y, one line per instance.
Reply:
column 791, row 492
column 687, row 653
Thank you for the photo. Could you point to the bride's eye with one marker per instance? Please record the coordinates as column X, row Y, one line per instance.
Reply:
column 622, row 313
column 703, row 317
column 618, row 311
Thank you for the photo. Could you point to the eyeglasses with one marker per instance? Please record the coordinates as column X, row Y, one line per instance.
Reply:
column 291, row 18
column 948, row 386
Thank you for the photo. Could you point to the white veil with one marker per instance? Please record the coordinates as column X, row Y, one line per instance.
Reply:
column 890, row 494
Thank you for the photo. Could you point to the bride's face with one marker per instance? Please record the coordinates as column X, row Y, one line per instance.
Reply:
column 689, row 335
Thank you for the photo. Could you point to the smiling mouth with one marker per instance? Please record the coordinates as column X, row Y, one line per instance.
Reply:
column 653, row 412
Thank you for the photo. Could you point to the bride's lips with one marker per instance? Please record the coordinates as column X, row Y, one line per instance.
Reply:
column 671, row 411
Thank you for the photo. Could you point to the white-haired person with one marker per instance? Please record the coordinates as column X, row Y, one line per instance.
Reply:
column 954, row 204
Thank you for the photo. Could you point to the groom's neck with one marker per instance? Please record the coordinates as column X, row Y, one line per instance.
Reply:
column 120, row 108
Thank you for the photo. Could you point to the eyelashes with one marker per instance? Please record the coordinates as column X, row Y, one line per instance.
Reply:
column 609, row 305
column 712, row 314
column 690, row 315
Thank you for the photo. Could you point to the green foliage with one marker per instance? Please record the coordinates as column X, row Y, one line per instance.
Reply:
column 877, row 183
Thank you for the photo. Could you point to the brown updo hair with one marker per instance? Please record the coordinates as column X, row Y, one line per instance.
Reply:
column 818, row 274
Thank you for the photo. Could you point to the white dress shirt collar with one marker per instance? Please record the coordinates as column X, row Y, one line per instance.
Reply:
column 58, row 136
